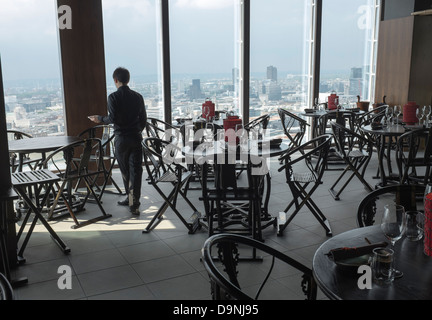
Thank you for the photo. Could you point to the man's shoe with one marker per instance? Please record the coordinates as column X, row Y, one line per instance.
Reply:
column 134, row 210
column 124, row 202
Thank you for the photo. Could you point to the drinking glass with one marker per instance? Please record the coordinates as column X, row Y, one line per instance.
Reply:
column 393, row 225
column 397, row 111
column 419, row 114
column 427, row 112
column 242, row 136
column 389, row 115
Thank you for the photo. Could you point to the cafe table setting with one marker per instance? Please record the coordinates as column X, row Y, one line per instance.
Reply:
column 387, row 261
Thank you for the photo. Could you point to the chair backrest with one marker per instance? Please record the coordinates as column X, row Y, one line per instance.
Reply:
column 226, row 282
column 6, row 290
column 293, row 126
column 346, row 140
column 17, row 135
column 159, row 157
column 259, row 123
column 370, row 209
column 77, row 158
column 156, row 128
column 313, row 153
column 413, row 150
column 103, row 132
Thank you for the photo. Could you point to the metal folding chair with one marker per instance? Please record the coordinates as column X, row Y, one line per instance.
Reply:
column 356, row 151
column 163, row 169
column 304, row 168
column 71, row 171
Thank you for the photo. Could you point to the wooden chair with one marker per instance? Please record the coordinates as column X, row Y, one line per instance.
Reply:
column 371, row 207
column 230, row 276
column 356, row 151
column 312, row 156
column 289, row 122
column 164, row 169
column 6, row 291
column 70, row 171
column 106, row 134
column 413, row 154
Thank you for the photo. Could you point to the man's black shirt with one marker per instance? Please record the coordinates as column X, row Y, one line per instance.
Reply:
column 126, row 110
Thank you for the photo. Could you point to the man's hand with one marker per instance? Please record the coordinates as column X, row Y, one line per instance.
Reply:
column 95, row 119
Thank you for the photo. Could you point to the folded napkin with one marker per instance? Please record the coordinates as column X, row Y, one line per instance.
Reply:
column 344, row 253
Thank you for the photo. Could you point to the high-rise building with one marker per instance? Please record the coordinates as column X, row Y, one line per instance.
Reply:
column 356, row 81
column 195, row 89
column 272, row 73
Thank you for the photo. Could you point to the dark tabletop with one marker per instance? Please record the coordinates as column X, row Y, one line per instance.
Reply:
column 40, row 144
column 339, row 282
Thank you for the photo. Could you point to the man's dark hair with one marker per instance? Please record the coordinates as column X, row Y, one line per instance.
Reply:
column 122, row 75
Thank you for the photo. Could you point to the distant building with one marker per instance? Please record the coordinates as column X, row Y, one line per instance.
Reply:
column 274, row 92
column 195, row 89
column 356, row 81
column 272, row 73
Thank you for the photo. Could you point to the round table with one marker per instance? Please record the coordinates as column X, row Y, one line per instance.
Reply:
column 339, row 282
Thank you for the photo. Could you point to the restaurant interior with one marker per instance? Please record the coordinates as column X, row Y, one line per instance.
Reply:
column 165, row 253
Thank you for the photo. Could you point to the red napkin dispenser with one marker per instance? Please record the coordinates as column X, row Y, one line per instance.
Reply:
column 211, row 106
column 409, row 113
column 230, row 123
column 333, row 101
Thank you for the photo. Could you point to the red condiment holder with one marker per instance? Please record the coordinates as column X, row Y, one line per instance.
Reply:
column 211, row 106
column 333, row 101
column 428, row 225
column 230, row 123
column 409, row 113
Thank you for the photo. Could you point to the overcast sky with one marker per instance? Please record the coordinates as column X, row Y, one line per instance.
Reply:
column 202, row 36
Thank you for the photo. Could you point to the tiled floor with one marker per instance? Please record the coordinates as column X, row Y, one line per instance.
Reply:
column 113, row 259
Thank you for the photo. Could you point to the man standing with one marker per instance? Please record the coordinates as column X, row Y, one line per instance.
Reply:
column 126, row 110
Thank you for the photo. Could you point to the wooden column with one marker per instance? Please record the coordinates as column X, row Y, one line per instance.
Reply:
column 7, row 214
column 83, row 64
column 404, row 64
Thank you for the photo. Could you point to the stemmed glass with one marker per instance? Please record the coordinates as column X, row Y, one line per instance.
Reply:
column 419, row 114
column 242, row 136
column 397, row 111
column 389, row 115
column 427, row 112
column 393, row 225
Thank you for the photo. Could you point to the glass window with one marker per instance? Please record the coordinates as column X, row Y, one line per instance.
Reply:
column 347, row 50
column 31, row 67
column 131, row 40
column 203, row 55
column 279, row 54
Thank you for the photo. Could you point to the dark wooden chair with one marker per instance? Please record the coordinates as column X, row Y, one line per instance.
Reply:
column 232, row 205
column 163, row 168
column 230, row 277
column 6, row 291
column 70, row 171
column 414, row 156
column 356, row 151
column 304, row 179
column 293, row 126
column 371, row 207
column 106, row 134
